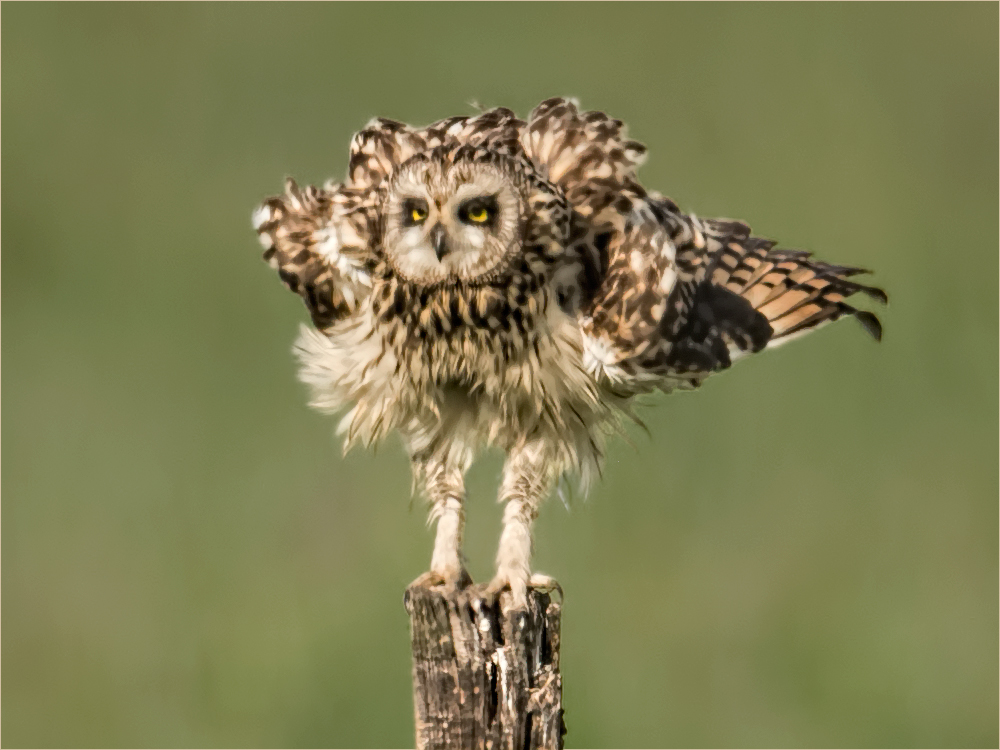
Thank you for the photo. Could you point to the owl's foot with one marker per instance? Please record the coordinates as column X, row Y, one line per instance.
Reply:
column 519, row 588
column 507, row 581
column 456, row 578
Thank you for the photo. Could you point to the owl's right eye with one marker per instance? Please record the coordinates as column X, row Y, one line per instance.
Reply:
column 414, row 212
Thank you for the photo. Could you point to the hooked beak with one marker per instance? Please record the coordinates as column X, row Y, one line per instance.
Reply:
column 439, row 241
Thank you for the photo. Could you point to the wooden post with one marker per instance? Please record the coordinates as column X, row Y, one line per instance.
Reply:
column 480, row 679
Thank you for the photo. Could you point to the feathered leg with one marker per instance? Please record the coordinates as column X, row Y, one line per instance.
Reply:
column 528, row 477
column 444, row 485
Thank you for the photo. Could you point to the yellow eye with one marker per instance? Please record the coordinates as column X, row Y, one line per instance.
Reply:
column 478, row 214
column 479, row 210
column 418, row 214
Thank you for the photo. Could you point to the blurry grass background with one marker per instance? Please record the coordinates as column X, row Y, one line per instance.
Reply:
column 805, row 552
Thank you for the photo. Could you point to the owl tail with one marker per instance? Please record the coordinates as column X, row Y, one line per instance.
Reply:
column 791, row 290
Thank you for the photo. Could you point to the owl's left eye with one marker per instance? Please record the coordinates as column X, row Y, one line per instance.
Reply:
column 478, row 211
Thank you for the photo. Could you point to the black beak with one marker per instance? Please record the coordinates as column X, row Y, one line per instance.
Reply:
column 439, row 241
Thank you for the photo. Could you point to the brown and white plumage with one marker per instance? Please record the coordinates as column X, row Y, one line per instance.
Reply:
column 487, row 280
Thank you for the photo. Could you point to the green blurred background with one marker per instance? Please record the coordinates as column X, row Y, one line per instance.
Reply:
column 803, row 554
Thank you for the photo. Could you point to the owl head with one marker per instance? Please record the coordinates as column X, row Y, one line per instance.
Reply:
column 451, row 220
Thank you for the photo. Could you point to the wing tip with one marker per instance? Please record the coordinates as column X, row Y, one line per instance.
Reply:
column 869, row 320
column 876, row 294
column 870, row 323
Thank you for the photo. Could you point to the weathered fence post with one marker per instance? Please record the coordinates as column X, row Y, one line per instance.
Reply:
column 481, row 680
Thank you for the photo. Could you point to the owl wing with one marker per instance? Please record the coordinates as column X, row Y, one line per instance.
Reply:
column 319, row 241
column 669, row 299
column 683, row 298
column 589, row 156
column 590, row 159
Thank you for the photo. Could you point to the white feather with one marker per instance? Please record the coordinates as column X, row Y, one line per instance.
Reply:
column 261, row 215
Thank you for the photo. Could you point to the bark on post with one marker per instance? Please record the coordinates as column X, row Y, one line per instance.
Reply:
column 481, row 680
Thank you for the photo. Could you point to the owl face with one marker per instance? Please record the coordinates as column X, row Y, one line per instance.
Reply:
column 451, row 221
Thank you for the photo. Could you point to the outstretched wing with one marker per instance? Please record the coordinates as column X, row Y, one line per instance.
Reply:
column 670, row 299
column 683, row 298
column 319, row 241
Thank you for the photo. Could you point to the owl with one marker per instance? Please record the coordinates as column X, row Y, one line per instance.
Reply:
column 492, row 281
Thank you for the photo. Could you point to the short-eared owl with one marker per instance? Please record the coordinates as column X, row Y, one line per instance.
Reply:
column 490, row 281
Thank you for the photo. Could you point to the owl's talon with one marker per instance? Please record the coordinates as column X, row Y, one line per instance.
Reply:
column 518, row 588
column 493, row 589
column 545, row 584
column 428, row 580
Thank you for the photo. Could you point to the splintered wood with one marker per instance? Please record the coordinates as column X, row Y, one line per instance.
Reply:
column 481, row 679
